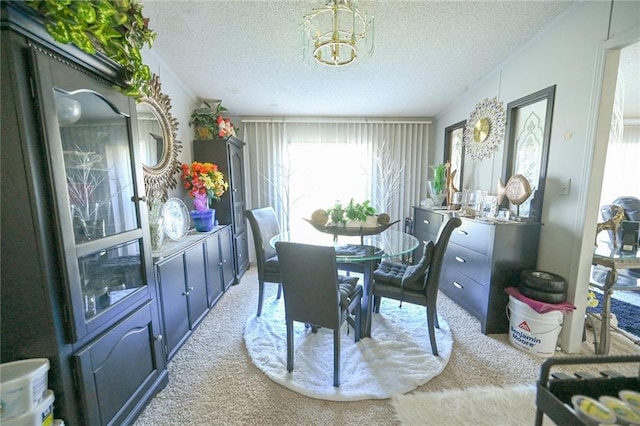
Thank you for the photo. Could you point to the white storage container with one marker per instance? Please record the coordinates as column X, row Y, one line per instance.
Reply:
column 23, row 386
column 41, row 415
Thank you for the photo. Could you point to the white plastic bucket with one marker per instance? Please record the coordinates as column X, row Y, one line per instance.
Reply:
column 23, row 386
column 531, row 331
column 41, row 415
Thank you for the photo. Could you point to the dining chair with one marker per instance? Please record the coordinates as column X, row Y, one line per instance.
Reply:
column 416, row 284
column 315, row 294
column 264, row 226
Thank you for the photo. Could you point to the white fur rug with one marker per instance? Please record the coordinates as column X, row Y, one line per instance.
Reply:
column 395, row 360
column 478, row 406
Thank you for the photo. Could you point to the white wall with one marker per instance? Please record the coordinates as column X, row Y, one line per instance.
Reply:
column 569, row 53
column 183, row 101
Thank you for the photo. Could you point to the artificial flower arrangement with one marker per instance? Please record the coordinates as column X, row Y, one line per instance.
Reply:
column 204, row 182
column 209, row 122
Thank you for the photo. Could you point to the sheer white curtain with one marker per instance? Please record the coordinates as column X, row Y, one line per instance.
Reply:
column 298, row 165
column 620, row 172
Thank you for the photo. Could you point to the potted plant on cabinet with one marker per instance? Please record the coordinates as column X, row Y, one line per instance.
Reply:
column 209, row 122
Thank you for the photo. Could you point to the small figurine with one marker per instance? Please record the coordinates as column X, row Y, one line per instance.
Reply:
column 450, row 186
column 612, row 224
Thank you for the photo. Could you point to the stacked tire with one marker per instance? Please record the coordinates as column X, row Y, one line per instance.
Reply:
column 543, row 286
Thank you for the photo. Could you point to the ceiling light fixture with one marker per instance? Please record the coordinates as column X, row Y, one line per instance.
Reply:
column 336, row 31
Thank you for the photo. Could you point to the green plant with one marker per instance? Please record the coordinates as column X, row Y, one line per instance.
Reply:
column 352, row 211
column 439, row 177
column 357, row 211
column 209, row 122
column 115, row 28
column 336, row 213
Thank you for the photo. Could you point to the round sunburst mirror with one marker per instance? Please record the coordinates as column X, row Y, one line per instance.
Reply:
column 485, row 129
column 157, row 130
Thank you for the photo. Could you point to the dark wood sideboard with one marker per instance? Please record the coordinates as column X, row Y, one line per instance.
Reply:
column 192, row 276
column 482, row 259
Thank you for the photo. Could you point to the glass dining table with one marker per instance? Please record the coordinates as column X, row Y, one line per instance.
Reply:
column 608, row 262
column 357, row 254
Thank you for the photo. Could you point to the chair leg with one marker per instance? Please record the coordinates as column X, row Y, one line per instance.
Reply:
column 336, row 357
column 358, row 322
column 260, row 296
column 376, row 304
column 431, row 319
column 279, row 291
column 289, row 346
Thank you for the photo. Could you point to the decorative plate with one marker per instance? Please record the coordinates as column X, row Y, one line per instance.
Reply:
column 484, row 129
column 176, row 219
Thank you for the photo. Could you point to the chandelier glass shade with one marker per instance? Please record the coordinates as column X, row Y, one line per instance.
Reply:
column 336, row 31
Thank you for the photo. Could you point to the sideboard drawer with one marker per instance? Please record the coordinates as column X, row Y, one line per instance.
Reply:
column 464, row 291
column 471, row 263
column 474, row 235
column 427, row 221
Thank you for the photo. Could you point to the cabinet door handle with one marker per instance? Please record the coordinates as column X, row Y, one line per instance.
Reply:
column 426, row 221
column 135, row 199
column 159, row 338
column 190, row 289
column 460, row 231
column 457, row 285
column 459, row 259
column 186, row 293
column 220, row 263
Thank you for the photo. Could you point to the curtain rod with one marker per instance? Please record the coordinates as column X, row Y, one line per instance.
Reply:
column 312, row 120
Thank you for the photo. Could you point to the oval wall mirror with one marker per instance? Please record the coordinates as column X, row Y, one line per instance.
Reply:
column 157, row 130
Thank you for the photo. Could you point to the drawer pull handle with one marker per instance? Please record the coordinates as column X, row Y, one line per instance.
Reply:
column 426, row 221
column 459, row 259
column 460, row 231
column 457, row 285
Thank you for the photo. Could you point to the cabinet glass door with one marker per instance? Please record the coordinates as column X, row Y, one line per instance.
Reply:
column 96, row 185
column 97, row 163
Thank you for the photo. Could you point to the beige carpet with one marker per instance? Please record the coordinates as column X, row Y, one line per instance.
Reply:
column 477, row 406
column 213, row 381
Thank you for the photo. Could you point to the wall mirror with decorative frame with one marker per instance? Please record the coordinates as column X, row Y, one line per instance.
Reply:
column 157, row 130
column 528, row 134
column 454, row 150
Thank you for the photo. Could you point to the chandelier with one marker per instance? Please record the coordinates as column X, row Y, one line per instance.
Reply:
column 336, row 31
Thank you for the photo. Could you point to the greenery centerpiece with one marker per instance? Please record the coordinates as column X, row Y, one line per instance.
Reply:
column 115, row 28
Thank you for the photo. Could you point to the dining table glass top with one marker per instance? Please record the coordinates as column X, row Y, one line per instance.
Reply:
column 389, row 243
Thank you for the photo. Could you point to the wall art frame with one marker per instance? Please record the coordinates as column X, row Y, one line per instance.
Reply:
column 529, row 121
column 454, row 150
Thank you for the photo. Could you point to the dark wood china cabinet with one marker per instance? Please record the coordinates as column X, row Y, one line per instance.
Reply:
column 78, row 283
column 228, row 155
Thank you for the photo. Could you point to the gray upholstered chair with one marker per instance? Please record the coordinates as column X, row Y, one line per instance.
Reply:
column 417, row 284
column 264, row 226
column 315, row 294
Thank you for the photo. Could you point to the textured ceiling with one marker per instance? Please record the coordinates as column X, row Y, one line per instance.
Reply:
column 249, row 53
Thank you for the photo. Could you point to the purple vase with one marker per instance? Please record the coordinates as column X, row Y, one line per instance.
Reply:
column 203, row 220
